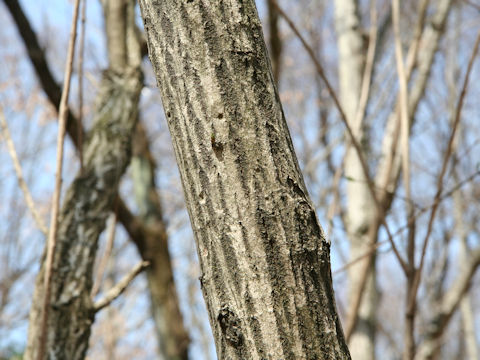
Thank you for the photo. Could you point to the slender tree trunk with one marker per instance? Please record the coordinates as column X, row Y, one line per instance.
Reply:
column 172, row 337
column 84, row 212
column 265, row 261
column 389, row 167
column 151, row 238
column 468, row 317
column 360, row 210
column 86, row 207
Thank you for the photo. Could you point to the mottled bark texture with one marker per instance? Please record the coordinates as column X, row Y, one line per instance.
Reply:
column 84, row 211
column 86, row 207
column 264, row 258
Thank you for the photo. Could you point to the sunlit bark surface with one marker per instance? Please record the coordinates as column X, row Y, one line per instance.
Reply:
column 265, row 261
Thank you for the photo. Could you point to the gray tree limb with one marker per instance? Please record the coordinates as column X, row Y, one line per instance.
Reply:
column 265, row 261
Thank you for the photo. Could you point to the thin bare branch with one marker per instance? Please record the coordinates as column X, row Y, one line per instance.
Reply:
column 119, row 288
column 421, row 211
column 370, row 60
column 415, row 44
column 446, row 159
column 409, row 330
column 352, row 138
column 402, row 80
column 369, row 252
column 106, row 255
column 317, row 64
column 18, row 171
column 448, row 305
column 80, row 83
column 389, row 168
column 62, row 118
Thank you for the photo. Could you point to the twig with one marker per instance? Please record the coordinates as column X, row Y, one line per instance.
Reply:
column 402, row 80
column 80, row 85
column 62, row 119
column 370, row 251
column 415, row 45
column 405, row 152
column 367, row 74
column 332, row 209
column 106, row 255
column 354, row 141
column 375, row 246
column 120, row 287
column 446, row 158
column 18, row 171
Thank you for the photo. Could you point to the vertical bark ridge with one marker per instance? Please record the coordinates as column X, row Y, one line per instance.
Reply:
column 264, row 258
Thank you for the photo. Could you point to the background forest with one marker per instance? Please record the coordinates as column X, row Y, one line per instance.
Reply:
column 400, row 204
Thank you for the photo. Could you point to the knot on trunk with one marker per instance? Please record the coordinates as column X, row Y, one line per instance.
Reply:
column 230, row 325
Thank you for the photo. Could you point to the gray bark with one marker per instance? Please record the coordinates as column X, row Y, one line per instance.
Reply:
column 85, row 209
column 265, row 261
column 151, row 239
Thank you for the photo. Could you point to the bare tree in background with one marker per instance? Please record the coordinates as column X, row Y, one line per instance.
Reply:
column 88, row 202
column 148, row 231
column 360, row 210
column 358, row 59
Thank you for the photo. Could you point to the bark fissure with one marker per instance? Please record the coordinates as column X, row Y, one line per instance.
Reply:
column 265, row 261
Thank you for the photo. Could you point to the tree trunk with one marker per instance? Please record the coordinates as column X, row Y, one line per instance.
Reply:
column 150, row 239
column 173, row 339
column 84, row 212
column 265, row 261
column 87, row 204
column 360, row 212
